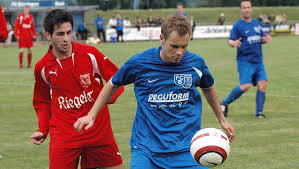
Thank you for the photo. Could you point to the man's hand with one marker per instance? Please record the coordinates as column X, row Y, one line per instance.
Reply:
column 267, row 38
column 229, row 130
column 235, row 43
column 81, row 122
column 38, row 138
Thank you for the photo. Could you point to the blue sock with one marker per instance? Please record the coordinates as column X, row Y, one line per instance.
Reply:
column 260, row 100
column 234, row 94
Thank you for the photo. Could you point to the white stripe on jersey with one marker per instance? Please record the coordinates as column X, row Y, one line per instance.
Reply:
column 94, row 65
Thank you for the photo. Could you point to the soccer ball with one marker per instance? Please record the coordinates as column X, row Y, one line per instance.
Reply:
column 210, row 147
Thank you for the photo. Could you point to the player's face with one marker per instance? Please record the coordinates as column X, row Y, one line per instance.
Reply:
column 26, row 10
column 180, row 8
column 61, row 39
column 246, row 9
column 174, row 48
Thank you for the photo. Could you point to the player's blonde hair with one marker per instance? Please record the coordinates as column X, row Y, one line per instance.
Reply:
column 244, row 1
column 177, row 23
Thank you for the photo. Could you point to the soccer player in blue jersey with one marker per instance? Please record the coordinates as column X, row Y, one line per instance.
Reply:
column 169, row 106
column 247, row 36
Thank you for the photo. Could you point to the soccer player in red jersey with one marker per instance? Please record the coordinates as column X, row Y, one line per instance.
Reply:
column 68, row 80
column 25, row 33
column 3, row 28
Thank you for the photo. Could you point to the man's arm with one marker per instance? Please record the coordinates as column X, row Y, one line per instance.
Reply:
column 212, row 98
column 103, row 98
column 42, row 106
column 235, row 43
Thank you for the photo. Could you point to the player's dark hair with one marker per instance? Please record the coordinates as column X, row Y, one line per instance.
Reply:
column 177, row 23
column 57, row 17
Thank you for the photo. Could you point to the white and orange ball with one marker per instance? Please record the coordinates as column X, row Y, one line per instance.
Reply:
column 210, row 147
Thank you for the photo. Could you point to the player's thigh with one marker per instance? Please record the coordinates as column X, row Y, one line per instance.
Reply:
column 246, row 72
column 140, row 160
column 101, row 156
column 63, row 158
column 261, row 74
column 178, row 160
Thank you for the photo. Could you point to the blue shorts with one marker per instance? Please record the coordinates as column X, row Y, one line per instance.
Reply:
column 251, row 72
column 178, row 160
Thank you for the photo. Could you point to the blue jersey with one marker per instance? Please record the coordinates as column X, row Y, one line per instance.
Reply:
column 119, row 24
column 251, row 34
column 99, row 22
column 168, row 104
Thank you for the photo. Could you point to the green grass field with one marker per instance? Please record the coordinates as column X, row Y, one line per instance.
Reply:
column 271, row 143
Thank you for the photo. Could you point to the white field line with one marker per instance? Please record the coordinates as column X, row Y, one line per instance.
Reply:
column 15, row 84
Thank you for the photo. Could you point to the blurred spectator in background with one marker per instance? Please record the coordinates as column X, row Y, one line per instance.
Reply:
column 83, row 31
column 119, row 27
column 144, row 23
column 150, row 21
column 138, row 23
column 265, row 19
column 221, row 19
column 278, row 19
column 284, row 19
column 3, row 27
column 10, row 34
column 158, row 21
column 127, row 22
column 100, row 28
column 192, row 25
column 260, row 18
column 180, row 10
column 271, row 19
column 112, row 23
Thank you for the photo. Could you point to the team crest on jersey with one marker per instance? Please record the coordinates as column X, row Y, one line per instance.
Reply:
column 184, row 80
column 85, row 80
column 257, row 29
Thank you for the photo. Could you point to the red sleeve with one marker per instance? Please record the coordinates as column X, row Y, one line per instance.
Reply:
column 32, row 27
column 17, row 27
column 42, row 102
column 107, row 70
column 3, row 27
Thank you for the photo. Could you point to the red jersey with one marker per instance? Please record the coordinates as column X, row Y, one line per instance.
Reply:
column 24, row 29
column 66, row 89
column 3, row 27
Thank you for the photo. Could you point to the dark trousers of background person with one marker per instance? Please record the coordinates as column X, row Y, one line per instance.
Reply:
column 83, row 35
column 120, row 34
column 192, row 31
column 102, row 31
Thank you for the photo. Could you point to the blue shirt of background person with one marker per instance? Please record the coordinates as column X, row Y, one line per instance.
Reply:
column 184, row 14
column 251, row 34
column 82, row 27
column 168, row 103
column 99, row 22
column 119, row 24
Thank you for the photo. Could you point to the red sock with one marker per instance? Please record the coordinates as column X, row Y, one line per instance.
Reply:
column 29, row 56
column 21, row 59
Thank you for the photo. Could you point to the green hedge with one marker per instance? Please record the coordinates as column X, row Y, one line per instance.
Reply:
column 202, row 16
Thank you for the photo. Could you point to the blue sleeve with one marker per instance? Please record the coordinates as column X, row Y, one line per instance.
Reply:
column 206, row 80
column 234, row 33
column 126, row 74
column 260, row 25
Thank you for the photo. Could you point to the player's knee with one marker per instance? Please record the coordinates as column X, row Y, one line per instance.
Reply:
column 262, row 85
column 245, row 87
